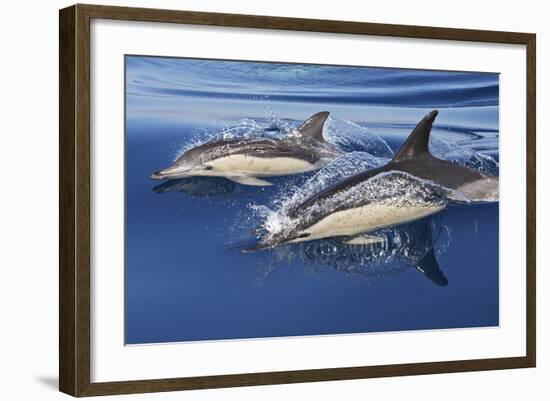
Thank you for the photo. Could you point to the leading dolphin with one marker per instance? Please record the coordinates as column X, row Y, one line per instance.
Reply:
column 246, row 160
column 414, row 184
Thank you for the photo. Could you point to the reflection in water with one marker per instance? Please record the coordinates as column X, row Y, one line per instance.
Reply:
column 401, row 247
column 197, row 186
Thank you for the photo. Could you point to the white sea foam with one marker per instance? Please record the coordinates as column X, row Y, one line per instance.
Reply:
column 463, row 155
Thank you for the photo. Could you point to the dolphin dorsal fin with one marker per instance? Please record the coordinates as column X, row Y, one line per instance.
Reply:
column 417, row 142
column 313, row 126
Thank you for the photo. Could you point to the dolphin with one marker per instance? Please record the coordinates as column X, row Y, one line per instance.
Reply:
column 246, row 161
column 413, row 185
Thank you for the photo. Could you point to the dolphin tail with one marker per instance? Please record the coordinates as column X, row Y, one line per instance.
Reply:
column 430, row 268
column 313, row 126
column 417, row 142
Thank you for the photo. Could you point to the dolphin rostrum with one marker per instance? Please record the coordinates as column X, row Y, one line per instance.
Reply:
column 245, row 160
column 413, row 185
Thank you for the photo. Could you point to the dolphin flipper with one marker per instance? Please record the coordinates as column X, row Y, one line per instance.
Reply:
column 253, row 181
column 313, row 126
column 365, row 240
column 430, row 268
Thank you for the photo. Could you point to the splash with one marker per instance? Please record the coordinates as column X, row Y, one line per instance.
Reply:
column 463, row 155
column 349, row 137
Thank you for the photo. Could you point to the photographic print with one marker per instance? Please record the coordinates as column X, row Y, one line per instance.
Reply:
column 269, row 199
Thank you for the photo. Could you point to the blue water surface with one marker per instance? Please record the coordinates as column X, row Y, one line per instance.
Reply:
column 186, row 275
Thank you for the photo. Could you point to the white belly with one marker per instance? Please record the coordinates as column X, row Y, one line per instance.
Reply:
column 366, row 219
column 258, row 166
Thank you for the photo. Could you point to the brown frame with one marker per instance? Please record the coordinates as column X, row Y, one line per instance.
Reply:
column 74, row 199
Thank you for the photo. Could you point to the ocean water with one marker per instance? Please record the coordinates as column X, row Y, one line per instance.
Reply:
column 187, row 276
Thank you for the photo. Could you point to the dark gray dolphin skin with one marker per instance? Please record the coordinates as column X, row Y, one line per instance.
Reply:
column 246, row 161
column 360, row 216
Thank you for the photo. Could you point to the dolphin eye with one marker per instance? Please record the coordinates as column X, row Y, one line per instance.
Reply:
column 207, row 167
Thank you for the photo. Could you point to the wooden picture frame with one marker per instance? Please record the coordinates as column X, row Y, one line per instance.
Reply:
column 74, row 199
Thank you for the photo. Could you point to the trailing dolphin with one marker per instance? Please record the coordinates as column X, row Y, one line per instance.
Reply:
column 413, row 185
column 246, row 161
